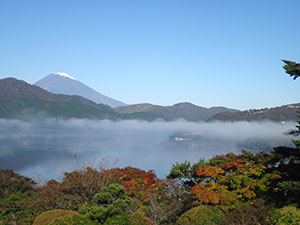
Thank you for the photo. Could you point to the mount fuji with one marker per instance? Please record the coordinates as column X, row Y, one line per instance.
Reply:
column 63, row 83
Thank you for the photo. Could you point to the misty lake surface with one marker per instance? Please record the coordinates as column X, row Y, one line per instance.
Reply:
column 45, row 149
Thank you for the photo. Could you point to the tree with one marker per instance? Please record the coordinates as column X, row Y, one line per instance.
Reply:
column 140, row 184
column 11, row 183
column 18, row 199
column 285, row 161
column 292, row 68
column 225, row 180
column 78, row 187
column 109, row 202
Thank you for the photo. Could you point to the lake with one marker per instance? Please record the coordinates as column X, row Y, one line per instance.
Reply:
column 45, row 149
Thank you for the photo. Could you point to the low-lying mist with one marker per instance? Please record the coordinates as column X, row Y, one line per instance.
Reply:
column 45, row 149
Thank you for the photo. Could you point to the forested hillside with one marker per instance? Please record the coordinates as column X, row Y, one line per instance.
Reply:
column 184, row 110
column 282, row 113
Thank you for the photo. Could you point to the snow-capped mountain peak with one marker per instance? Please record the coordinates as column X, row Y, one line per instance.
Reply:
column 63, row 75
column 63, row 83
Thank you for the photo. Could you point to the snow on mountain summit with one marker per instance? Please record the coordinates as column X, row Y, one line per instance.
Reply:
column 63, row 75
column 63, row 83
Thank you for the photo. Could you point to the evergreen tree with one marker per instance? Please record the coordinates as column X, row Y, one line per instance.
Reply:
column 292, row 68
column 285, row 161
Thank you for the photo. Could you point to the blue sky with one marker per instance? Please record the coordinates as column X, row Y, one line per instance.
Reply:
column 163, row 52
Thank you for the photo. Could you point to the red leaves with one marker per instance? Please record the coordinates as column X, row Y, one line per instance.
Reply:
column 140, row 183
column 234, row 164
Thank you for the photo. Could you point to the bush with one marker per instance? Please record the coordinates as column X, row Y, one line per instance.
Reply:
column 19, row 208
column 109, row 202
column 288, row 215
column 248, row 213
column 78, row 187
column 62, row 217
column 11, row 183
column 139, row 219
column 201, row 215
column 118, row 220
column 139, row 183
column 133, row 219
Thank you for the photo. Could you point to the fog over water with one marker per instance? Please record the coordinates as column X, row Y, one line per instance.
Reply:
column 47, row 148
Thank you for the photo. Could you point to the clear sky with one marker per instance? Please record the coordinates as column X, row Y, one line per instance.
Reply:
column 163, row 52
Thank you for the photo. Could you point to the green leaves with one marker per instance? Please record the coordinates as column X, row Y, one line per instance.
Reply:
column 179, row 170
column 292, row 68
column 110, row 201
column 185, row 172
column 285, row 215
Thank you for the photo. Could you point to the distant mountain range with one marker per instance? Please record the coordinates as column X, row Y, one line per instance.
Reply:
column 62, row 83
column 282, row 113
column 183, row 110
column 19, row 99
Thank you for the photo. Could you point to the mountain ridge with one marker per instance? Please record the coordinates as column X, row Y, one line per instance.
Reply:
column 182, row 110
column 280, row 113
column 18, row 97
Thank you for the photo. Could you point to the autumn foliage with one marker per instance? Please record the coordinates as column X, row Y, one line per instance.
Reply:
column 226, row 180
column 139, row 183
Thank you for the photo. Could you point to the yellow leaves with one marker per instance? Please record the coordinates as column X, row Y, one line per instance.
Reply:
column 247, row 193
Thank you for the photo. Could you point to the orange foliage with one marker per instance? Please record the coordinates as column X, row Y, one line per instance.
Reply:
column 209, row 171
column 213, row 193
column 274, row 176
column 231, row 178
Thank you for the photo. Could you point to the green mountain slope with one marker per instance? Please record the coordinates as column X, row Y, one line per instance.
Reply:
column 183, row 110
column 282, row 113
column 19, row 99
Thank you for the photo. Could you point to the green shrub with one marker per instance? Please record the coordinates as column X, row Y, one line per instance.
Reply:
column 288, row 215
column 132, row 219
column 201, row 215
column 20, row 208
column 118, row 220
column 11, row 182
column 109, row 202
column 62, row 217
